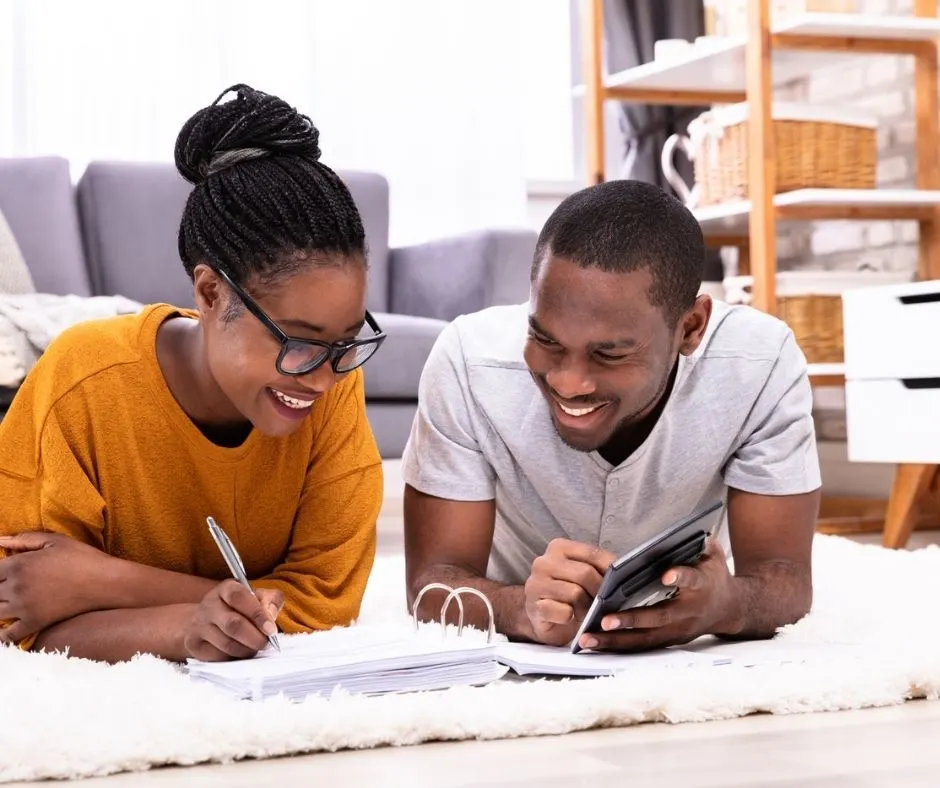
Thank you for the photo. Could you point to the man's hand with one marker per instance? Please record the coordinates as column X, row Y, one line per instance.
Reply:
column 45, row 578
column 231, row 623
column 561, row 587
column 705, row 602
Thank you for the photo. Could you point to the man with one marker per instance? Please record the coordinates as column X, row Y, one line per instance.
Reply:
column 553, row 436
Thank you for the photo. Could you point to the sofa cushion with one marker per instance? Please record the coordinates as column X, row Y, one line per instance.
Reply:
column 394, row 372
column 130, row 214
column 37, row 199
column 370, row 193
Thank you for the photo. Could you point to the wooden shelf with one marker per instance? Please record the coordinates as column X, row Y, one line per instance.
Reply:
column 825, row 375
column 716, row 72
column 731, row 219
column 862, row 27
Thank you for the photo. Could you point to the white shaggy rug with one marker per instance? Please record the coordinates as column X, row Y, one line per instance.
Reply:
column 66, row 718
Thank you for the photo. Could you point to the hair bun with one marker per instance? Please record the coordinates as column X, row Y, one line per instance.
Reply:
column 252, row 125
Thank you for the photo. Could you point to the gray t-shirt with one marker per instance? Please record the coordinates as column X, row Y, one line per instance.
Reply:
column 739, row 415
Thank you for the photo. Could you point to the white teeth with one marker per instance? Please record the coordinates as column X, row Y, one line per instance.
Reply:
column 577, row 411
column 299, row 404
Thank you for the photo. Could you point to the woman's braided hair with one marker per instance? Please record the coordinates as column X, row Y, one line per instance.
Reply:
column 263, row 204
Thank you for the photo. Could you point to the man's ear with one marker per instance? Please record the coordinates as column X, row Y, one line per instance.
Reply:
column 693, row 324
column 207, row 290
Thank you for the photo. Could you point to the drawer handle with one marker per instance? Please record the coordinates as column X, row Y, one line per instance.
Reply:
column 921, row 383
column 920, row 298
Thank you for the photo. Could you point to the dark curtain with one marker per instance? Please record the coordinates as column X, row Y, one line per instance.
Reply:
column 630, row 29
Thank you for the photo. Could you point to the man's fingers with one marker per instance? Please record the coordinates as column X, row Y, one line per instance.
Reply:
column 628, row 641
column 550, row 611
column 555, row 566
column 595, row 556
column 571, row 594
column 688, row 578
column 665, row 614
column 29, row 540
column 691, row 577
column 578, row 573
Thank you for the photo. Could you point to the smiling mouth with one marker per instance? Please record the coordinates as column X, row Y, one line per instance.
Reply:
column 580, row 411
column 292, row 402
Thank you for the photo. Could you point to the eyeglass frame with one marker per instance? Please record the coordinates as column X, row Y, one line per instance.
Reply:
column 334, row 350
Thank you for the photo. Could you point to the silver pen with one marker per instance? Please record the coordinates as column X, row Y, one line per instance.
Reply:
column 235, row 565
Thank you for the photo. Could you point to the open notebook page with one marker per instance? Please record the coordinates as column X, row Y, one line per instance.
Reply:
column 531, row 658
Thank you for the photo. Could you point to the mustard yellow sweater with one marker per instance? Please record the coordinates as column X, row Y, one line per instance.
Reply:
column 96, row 447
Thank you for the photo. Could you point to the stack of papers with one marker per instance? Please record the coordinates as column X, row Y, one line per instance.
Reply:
column 375, row 660
column 361, row 660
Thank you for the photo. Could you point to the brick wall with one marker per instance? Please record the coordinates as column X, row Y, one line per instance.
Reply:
column 884, row 86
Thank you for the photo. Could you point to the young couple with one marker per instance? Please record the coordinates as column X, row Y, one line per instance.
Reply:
column 550, row 437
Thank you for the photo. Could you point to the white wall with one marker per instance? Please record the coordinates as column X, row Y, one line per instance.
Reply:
column 457, row 102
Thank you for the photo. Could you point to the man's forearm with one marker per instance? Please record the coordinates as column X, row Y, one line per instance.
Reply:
column 508, row 601
column 117, row 635
column 772, row 596
column 126, row 584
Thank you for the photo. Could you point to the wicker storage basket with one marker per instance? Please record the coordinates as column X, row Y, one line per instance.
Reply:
column 810, row 302
column 814, row 147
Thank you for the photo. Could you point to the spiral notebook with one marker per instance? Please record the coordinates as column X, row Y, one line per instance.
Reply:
column 380, row 659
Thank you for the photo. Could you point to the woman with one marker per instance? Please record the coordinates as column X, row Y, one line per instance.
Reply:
column 130, row 432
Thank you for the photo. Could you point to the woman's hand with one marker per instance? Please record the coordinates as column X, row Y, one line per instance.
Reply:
column 46, row 578
column 231, row 623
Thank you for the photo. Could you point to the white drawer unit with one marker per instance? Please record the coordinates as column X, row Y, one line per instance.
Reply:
column 892, row 332
column 894, row 421
column 892, row 372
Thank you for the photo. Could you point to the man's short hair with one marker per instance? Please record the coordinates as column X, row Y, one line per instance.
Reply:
column 622, row 226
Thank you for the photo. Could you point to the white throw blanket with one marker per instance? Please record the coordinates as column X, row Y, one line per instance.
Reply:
column 69, row 718
column 30, row 321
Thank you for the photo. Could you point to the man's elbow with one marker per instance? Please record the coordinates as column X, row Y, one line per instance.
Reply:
column 802, row 602
column 415, row 580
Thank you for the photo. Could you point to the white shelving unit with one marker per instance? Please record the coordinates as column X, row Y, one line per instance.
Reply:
column 714, row 68
column 813, row 204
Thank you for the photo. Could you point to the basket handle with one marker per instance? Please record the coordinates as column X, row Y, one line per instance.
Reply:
column 680, row 141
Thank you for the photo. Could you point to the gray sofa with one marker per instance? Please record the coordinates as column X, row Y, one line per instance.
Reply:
column 114, row 233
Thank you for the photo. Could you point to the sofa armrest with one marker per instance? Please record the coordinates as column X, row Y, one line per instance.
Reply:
column 462, row 274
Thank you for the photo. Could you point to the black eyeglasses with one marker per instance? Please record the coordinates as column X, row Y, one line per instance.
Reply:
column 303, row 356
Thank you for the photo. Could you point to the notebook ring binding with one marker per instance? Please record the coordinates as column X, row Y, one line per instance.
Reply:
column 454, row 596
column 441, row 587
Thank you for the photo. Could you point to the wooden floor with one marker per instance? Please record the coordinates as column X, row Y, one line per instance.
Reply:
column 894, row 747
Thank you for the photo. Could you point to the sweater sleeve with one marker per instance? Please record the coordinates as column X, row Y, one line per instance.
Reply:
column 332, row 549
column 44, row 483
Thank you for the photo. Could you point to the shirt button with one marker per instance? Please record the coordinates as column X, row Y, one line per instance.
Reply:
column 614, row 482
column 609, row 518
